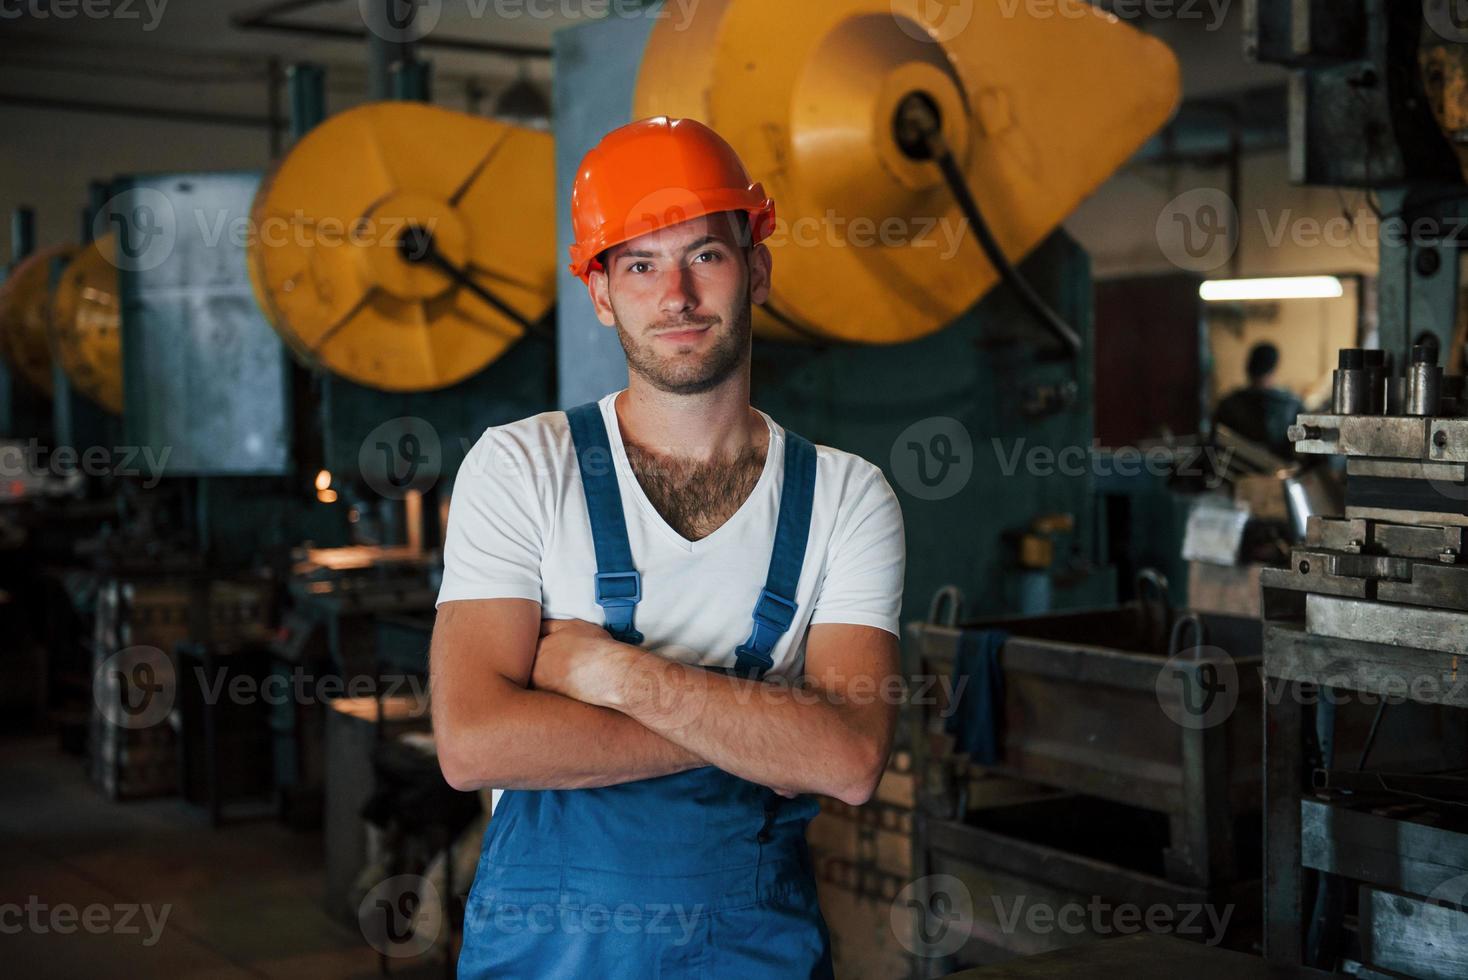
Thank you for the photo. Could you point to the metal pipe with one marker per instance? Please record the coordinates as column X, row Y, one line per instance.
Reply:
column 307, row 84
column 22, row 233
column 129, row 109
column 266, row 18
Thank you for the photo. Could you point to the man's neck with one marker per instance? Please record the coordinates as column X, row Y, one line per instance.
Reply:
column 714, row 425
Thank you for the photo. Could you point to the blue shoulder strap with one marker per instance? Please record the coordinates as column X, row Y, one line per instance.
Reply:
column 775, row 609
column 618, row 583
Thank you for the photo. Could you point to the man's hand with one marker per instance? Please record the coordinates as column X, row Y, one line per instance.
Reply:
column 574, row 658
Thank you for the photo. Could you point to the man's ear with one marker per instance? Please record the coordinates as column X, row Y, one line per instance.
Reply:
column 601, row 297
column 760, row 265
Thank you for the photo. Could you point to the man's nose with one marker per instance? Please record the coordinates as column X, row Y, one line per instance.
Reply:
column 677, row 294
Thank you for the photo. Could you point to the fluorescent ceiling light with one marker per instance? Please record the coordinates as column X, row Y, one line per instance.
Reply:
column 1294, row 287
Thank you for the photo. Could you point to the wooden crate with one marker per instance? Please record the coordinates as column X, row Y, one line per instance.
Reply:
column 139, row 761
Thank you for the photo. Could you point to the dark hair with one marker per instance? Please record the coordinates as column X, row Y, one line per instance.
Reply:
column 1263, row 359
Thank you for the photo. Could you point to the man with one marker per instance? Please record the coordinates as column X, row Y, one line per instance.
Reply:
column 1261, row 412
column 664, row 620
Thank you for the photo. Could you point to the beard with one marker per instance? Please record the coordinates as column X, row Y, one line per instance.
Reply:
column 682, row 374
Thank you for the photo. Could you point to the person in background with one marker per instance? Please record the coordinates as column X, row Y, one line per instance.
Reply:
column 1261, row 412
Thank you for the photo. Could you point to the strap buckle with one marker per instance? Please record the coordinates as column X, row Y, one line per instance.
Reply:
column 608, row 594
column 750, row 662
column 774, row 612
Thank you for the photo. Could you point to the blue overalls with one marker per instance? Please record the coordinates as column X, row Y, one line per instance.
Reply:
column 698, row 874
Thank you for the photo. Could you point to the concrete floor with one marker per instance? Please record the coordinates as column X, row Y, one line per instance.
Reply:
column 242, row 901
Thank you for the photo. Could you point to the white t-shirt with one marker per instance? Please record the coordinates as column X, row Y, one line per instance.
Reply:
column 518, row 529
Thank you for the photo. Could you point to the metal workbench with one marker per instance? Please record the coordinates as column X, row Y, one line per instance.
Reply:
column 1336, row 837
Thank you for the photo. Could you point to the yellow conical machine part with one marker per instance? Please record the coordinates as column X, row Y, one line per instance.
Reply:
column 324, row 252
column 1039, row 105
column 25, row 312
column 86, row 324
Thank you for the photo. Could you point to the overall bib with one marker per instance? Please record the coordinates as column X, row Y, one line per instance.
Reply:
column 697, row 875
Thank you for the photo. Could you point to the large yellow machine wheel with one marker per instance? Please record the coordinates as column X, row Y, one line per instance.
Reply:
column 326, row 226
column 1040, row 106
column 86, row 324
column 25, row 311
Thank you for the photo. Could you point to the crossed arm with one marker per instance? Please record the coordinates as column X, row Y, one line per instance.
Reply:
column 521, row 705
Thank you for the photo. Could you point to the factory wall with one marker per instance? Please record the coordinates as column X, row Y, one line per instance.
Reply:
column 50, row 158
column 1279, row 229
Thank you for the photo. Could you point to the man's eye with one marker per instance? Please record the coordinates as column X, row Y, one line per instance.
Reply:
column 639, row 267
column 705, row 255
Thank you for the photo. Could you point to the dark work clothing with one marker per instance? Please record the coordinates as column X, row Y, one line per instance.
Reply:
column 1261, row 415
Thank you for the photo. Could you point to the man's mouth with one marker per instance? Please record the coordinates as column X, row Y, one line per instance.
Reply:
column 681, row 334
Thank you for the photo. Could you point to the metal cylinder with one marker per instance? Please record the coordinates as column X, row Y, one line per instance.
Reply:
column 1350, row 384
column 1424, row 383
column 1375, row 361
column 22, row 233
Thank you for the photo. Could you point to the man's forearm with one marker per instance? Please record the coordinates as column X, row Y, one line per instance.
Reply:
column 792, row 739
column 542, row 740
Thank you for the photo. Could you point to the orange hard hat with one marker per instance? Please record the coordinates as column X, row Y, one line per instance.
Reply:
column 654, row 173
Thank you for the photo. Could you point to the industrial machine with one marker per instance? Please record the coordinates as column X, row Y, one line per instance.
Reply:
column 1367, row 850
column 925, row 312
column 413, row 290
column 1367, row 861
